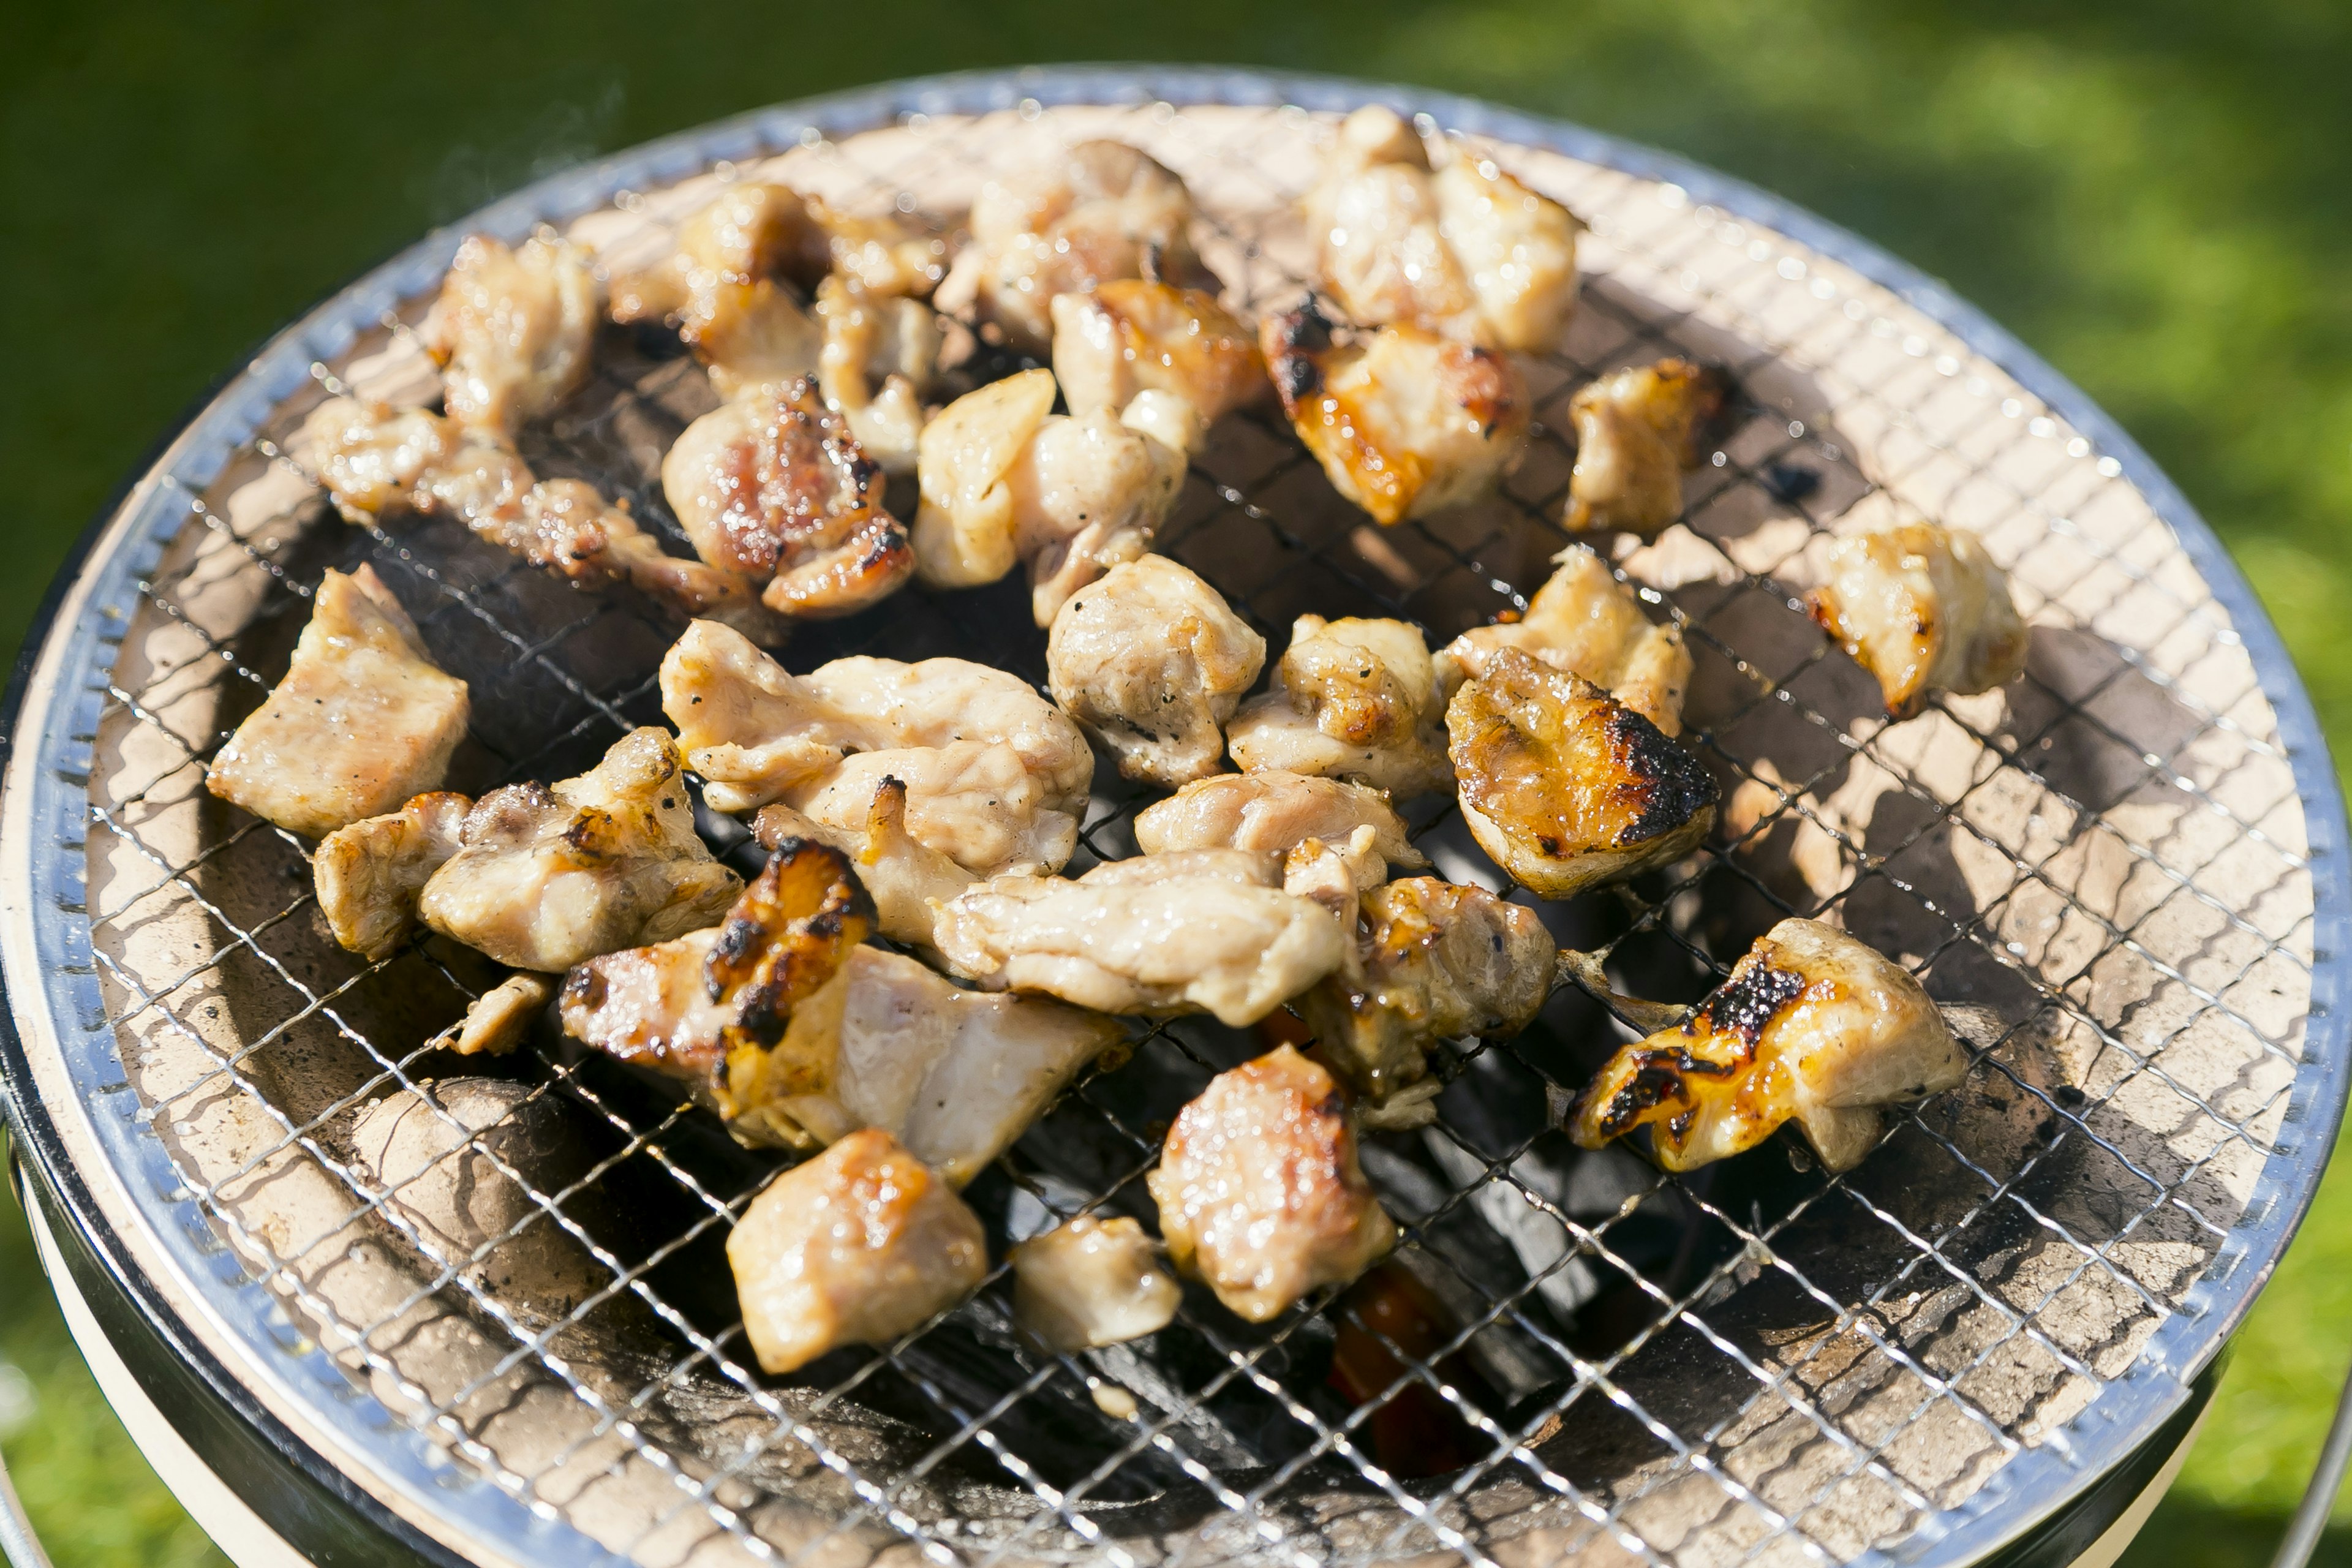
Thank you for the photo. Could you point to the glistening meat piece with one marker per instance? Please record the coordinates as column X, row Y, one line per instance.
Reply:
column 773, row 486
column 1259, row 1192
column 369, row 875
column 1092, row 214
column 1566, row 786
column 1152, row 660
column 1091, row 1283
column 1351, row 699
column 1405, row 422
column 1428, row 961
column 1467, row 250
column 1203, row 930
column 1005, row 480
column 374, row 461
column 1584, row 621
column 1924, row 609
column 1273, row 810
column 1133, row 336
column 903, row 875
column 1636, row 430
column 858, row 1246
column 513, row 331
column 881, row 354
column 362, row 719
column 731, row 285
column 549, row 876
column 1812, row 1025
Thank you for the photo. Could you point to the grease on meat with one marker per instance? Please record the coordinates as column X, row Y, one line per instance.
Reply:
column 1152, row 660
column 1812, row 1025
column 1924, row 609
column 1584, row 621
column 1637, row 430
column 362, row 720
column 881, row 354
column 1351, row 699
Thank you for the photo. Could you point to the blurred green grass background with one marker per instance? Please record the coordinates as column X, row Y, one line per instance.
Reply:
column 2153, row 194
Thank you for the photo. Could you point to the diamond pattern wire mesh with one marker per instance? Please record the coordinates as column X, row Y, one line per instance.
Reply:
column 1754, row 1362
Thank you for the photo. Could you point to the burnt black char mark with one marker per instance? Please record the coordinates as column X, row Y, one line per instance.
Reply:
column 1668, row 781
column 1743, row 1004
column 1660, row 1075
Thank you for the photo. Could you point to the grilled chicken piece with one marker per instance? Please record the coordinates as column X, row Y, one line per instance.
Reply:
column 374, row 460
column 1351, row 699
column 1467, row 251
column 1564, row 786
column 939, row 702
column 773, row 486
column 1404, row 422
column 858, row 1246
column 731, row 286
column 369, row 875
column 1430, row 961
column 972, row 801
column 1259, row 1193
column 1133, row 336
column 881, row 354
column 1335, row 874
column 548, row 877
column 1636, row 430
column 513, row 331
column 501, row 1018
column 1202, row 930
column 1810, row 1026
column 362, row 719
column 1152, row 660
column 954, row 1075
column 1004, row 480
column 884, row 256
column 681, row 1006
column 1098, row 212
column 1924, row 609
column 1091, row 1283
column 1271, row 810
column 903, row 874
column 1584, row 621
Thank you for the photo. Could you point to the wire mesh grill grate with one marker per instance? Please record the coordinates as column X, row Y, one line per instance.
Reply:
column 1755, row 1363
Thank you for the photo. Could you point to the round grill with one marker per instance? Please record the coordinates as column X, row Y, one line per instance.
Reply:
column 2130, row 864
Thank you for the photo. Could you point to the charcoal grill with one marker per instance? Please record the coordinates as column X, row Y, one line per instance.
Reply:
column 2130, row 864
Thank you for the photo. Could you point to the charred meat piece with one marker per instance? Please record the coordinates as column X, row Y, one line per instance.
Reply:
column 1566, row 786
column 369, row 875
column 550, row 876
column 1202, row 930
column 1133, row 336
column 1584, row 621
column 773, row 486
column 362, row 720
column 1636, row 431
column 1351, row 699
column 1812, row 1025
column 1273, row 810
column 1924, row 609
column 1429, row 961
column 1152, row 660
column 1089, row 216
column 513, row 331
column 858, row 1246
column 1467, row 250
column 1259, row 1192
column 1090, row 1282
column 1404, row 422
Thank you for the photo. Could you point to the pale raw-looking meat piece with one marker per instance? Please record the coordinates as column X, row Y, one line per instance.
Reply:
column 1351, row 699
column 1924, row 609
column 1637, row 430
column 1405, row 422
column 1260, row 1195
column 513, row 331
column 501, row 1018
column 1084, row 216
column 1272, row 811
column 1200, row 930
column 1090, row 1282
column 1812, row 1025
column 1584, row 621
column 369, row 875
column 1564, row 786
column 1465, row 250
column 1152, row 660
column 549, row 876
column 1005, row 479
column 362, row 720
column 857, row 1246
column 1130, row 337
